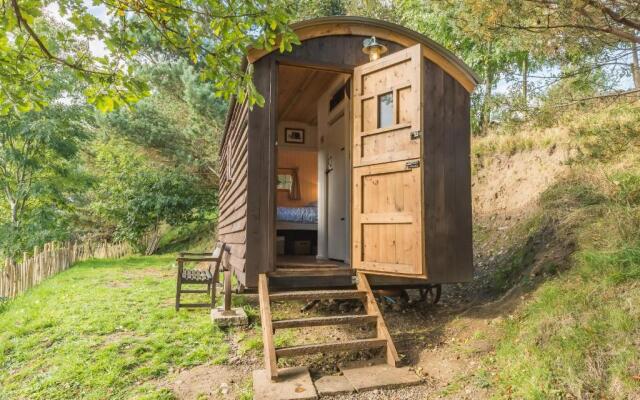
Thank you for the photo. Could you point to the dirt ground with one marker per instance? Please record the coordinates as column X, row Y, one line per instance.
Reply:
column 446, row 343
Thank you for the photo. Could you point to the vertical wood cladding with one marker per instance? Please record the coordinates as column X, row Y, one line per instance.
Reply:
column 447, row 178
column 232, row 219
column 248, row 166
column 261, row 209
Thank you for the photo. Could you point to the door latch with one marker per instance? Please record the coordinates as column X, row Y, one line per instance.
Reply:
column 415, row 135
column 412, row 164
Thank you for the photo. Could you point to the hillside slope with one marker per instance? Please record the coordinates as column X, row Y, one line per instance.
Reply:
column 557, row 216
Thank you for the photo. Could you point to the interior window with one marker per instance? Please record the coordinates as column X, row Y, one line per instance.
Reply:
column 385, row 110
column 285, row 181
column 288, row 181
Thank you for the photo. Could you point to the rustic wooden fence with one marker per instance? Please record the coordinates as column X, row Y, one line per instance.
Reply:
column 15, row 277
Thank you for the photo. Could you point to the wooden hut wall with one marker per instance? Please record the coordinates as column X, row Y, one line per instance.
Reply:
column 447, row 178
column 232, row 221
column 247, row 200
column 341, row 52
column 262, row 174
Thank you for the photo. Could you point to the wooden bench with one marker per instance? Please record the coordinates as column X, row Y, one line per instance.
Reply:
column 208, row 277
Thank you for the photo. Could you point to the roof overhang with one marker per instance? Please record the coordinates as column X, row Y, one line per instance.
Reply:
column 360, row 26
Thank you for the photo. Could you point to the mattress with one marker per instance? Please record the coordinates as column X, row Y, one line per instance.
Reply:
column 304, row 215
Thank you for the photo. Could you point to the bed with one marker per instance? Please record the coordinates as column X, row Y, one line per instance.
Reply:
column 297, row 218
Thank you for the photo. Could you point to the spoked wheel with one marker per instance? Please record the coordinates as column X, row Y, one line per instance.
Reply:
column 431, row 294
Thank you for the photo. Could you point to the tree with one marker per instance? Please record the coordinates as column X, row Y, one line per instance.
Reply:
column 36, row 147
column 182, row 119
column 39, row 172
column 587, row 34
column 493, row 54
column 135, row 195
column 596, row 19
column 215, row 34
column 307, row 9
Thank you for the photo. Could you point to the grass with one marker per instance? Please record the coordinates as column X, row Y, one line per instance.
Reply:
column 577, row 335
column 102, row 329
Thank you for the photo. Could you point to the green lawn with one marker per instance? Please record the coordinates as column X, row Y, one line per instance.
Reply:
column 102, row 329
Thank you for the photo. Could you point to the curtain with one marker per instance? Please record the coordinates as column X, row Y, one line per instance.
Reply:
column 294, row 193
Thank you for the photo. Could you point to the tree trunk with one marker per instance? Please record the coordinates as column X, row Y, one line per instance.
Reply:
column 14, row 213
column 485, row 111
column 525, row 80
column 635, row 66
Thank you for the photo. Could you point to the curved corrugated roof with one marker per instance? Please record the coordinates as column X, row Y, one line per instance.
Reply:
column 347, row 25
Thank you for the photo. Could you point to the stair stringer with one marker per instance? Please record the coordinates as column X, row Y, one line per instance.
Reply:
column 270, row 360
column 371, row 306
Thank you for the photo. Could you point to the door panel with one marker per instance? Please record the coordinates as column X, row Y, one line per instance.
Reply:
column 387, row 232
column 337, row 190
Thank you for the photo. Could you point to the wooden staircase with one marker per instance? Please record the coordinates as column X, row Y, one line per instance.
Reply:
column 362, row 292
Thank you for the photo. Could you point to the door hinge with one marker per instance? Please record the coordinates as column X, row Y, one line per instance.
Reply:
column 412, row 164
column 415, row 135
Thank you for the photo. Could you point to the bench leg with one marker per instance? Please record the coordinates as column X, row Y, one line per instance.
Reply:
column 214, row 282
column 227, row 290
column 179, row 286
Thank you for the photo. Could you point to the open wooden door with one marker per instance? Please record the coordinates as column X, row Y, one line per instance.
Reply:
column 387, row 221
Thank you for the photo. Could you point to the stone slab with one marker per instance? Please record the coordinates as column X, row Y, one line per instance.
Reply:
column 293, row 384
column 365, row 377
column 333, row 384
column 237, row 317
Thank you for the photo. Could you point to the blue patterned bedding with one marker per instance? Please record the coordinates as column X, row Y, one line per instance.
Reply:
column 305, row 215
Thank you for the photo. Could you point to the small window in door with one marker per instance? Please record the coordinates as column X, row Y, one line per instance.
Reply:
column 385, row 110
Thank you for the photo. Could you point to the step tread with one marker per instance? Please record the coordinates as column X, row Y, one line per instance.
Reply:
column 350, row 345
column 324, row 321
column 318, row 295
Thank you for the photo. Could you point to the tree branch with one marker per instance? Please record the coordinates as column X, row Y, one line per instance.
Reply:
column 610, row 30
column 614, row 15
column 23, row 23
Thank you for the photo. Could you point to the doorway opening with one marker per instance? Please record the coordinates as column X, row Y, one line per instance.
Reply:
column 313, row 167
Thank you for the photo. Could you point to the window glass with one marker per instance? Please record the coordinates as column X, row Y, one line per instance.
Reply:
column 385, row 110
column 285, row 181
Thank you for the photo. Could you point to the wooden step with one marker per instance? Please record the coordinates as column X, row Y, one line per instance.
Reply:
column 351, row 345
column 318, row 295
column 324, row 321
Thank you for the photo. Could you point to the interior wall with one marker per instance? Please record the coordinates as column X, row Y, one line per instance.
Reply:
column 310, row 136
column 324, row 118
column 306, row 161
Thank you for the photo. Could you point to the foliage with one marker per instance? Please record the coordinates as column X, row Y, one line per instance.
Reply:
column 212, row 34
column 39, row 175
column 135, row 196
column 114, row 335
column 307, row 9
column 182, row 120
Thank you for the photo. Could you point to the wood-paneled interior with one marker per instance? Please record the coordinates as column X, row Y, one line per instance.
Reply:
column 447, row 178
column 298, row 92
column 233, row 188
column 306, row 162
column 387, row 196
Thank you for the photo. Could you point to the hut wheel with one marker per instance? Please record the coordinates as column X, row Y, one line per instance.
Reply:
column 431, row 294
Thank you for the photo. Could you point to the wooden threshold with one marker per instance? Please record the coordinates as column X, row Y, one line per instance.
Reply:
column 319, row 271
